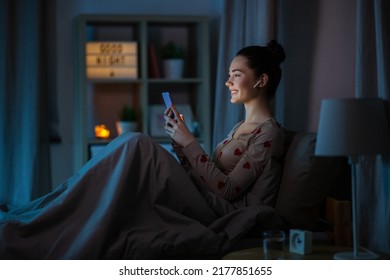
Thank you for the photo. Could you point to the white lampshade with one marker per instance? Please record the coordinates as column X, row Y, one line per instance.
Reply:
column 352, row 126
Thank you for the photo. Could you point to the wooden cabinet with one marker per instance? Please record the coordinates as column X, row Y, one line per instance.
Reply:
column 136, row 77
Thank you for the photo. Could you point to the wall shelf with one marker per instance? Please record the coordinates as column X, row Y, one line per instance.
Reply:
column 98, row 101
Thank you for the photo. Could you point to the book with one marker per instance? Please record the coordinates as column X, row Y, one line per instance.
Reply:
column 154, row 71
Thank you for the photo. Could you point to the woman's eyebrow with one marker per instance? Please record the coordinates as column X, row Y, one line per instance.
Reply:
column 235, row 70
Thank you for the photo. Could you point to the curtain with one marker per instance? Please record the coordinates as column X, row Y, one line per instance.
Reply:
column 244, row 23
column 24, row 87
column 373, row 80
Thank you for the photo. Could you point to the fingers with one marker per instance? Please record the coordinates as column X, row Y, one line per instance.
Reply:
column 168, row 112
column 172, row 111
column 174, row 125
column 176, row 113
column 170, row 126
column 169, row 121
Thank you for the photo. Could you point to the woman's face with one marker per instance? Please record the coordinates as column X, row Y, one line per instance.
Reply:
column 241, row 81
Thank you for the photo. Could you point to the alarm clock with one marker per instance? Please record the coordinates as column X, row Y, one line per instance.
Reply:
column 300, row 242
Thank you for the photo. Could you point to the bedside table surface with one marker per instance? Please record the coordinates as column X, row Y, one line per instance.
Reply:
column 319, row 252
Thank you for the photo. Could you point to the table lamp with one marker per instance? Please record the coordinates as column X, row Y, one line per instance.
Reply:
column 353, row 127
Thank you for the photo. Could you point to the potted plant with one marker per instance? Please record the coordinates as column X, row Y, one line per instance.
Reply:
column 173, row 60
column 127, row 120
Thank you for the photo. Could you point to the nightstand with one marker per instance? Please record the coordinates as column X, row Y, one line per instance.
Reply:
column 319, row 252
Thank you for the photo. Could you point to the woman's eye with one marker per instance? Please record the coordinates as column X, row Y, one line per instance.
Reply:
column 233, row 76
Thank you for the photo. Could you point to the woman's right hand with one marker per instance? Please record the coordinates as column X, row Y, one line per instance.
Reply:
column 169, row 113
column 176, row 127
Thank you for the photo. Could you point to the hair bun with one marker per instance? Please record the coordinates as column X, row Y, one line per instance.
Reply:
column 277, row 51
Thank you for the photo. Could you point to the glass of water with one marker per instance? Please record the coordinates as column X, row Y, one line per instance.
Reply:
column 274, row 244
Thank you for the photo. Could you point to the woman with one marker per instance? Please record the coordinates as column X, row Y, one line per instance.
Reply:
column 239, row 160
column 133, row 200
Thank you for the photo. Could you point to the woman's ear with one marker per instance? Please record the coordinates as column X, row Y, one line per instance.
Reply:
column 262, row 81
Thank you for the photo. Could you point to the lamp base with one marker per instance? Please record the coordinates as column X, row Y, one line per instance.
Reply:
column 359, row 256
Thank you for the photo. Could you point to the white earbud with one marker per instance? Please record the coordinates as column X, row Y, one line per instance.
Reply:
column 258, row 82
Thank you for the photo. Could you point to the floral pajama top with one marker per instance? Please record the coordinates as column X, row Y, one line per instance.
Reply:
column 237, row 161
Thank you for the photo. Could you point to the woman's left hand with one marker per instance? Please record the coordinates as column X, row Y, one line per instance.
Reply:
column 176, row 127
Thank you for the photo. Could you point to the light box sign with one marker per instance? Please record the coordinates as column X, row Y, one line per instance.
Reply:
column 111, row 60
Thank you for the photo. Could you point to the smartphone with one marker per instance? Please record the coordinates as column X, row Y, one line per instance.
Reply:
column 167, row 99
column 168, row 102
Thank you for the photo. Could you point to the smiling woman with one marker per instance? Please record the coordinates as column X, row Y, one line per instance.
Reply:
column 135, row 200
column 254, row 75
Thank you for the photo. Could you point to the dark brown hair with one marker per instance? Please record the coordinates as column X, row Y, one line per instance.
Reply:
column 266, row 60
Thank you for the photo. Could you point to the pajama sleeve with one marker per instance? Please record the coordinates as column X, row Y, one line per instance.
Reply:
column 250, row 163
column 181, row 156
